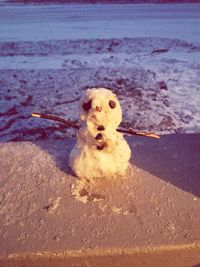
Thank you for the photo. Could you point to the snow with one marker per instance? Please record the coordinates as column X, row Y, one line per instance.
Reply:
column 149, row 55
column 100, row 153
column 38, row 22
column 46, row 22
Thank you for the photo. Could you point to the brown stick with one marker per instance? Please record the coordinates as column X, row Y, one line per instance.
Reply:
column 132, row 132
column 54, row 118
column 76, row 126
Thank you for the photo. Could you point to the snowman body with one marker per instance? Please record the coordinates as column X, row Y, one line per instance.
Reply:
column 100, row 150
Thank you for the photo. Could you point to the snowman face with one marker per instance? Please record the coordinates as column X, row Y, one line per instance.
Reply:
column 101, row 107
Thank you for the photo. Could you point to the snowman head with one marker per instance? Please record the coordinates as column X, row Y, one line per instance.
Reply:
column 100, row 106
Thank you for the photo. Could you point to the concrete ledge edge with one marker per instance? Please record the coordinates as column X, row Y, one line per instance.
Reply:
column 104, row 251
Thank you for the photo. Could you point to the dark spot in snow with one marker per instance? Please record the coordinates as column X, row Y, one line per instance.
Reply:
column 166, row 103
column 48, row 207
column 161, row 50
column 112, row 104
column 92, row 197
column 119, row 81
column 87, row 106
column 22, row 81
column 100, row 128
column 83, row 192
column 186, row 119
column 100, row 147
column 163, row 85
column 99, row 136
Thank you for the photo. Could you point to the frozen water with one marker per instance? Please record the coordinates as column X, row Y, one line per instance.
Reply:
column 47, row 22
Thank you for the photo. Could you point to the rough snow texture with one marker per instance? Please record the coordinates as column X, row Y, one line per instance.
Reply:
column 156, row 204
column 156, row 80
column 99, row 152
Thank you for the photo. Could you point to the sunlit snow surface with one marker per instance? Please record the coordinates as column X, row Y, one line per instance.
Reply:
column 149, row 55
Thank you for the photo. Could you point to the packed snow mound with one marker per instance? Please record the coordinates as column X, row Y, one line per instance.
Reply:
column 100, row 150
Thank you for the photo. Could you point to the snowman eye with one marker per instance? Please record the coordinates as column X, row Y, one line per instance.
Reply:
column 87, row 106
column 112, row 104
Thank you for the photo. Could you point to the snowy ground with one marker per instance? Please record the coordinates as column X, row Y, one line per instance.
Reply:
column 149, row 55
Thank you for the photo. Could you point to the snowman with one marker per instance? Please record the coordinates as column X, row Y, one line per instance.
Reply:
column 100, row 150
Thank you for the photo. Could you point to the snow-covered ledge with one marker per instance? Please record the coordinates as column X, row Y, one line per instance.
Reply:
column 150, row 218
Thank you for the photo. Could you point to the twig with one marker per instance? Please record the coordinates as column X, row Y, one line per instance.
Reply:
column 132, row 132
column 54, row 118
column 76, row 126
